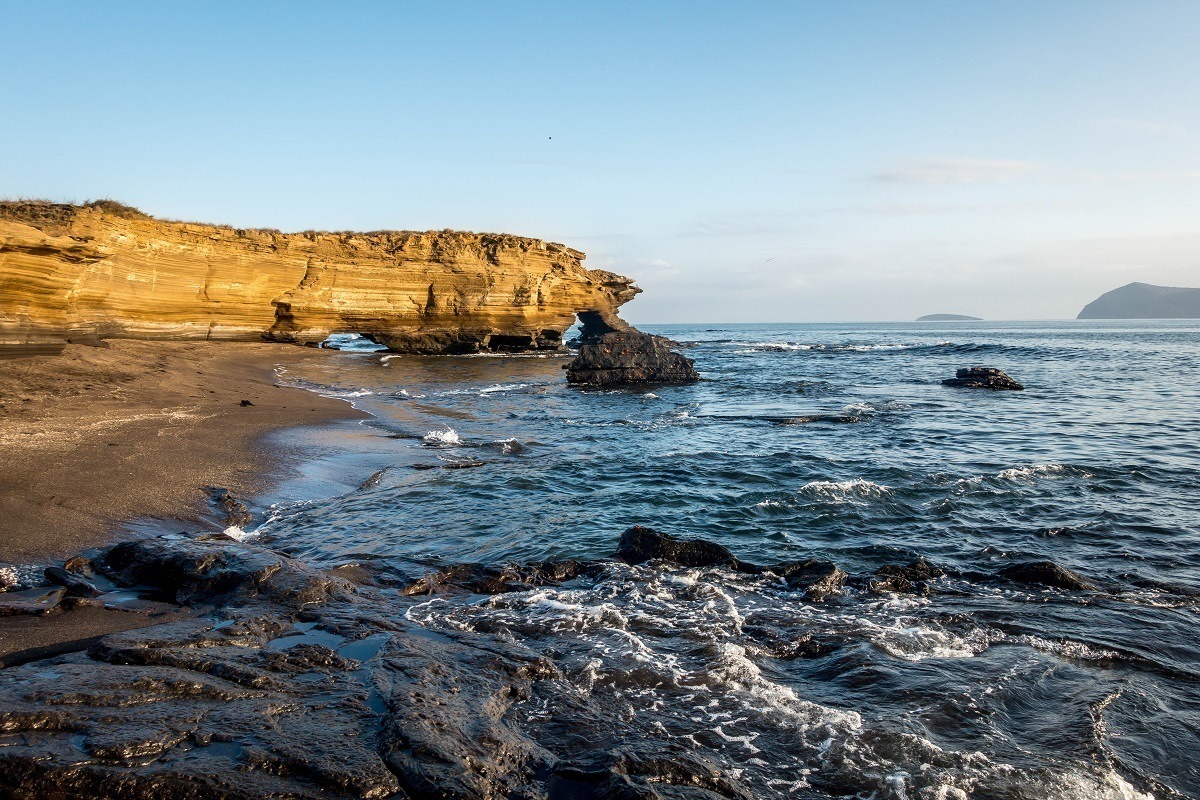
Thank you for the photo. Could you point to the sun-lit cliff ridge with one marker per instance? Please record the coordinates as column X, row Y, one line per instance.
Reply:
column 103, row 270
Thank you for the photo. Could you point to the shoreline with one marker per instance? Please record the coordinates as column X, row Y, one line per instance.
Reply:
column 96, row 443
column 96, row 438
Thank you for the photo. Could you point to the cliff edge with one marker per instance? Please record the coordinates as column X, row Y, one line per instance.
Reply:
column 1144, row 301
column 103, row 270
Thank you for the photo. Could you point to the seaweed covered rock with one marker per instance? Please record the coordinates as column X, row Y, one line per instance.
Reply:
column 983, row 378
column 629, row 357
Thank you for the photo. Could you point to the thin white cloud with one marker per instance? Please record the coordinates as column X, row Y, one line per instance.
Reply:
column 1143, row 125
column 950, row 171
column 961, row 170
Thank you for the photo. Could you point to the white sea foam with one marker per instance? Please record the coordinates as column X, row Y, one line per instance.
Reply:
column 853, row 491
column 503, row 387
column 912, row 642
column 447, row 437
column 1076, row 651
column 1041, row 471
column 235, row 532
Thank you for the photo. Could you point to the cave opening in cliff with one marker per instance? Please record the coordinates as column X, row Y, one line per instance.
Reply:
column 589, row 325
column 354, row 342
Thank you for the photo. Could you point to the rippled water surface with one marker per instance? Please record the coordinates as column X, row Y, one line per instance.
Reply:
column 829, row 441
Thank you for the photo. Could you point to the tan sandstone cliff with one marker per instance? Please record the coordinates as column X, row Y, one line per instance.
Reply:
column 83, row 273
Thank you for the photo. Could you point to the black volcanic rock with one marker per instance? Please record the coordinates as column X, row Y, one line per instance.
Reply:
column 488, row 579
column 1046, row 573
column 639, row 544
column 199, row 570
column 1144, row 301
column 983, row 378
column 629, row 357
column 819, row 579
column 908, row 579
column 947, row 318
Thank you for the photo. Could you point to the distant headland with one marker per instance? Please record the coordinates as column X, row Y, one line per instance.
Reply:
column 947, row 318
column 1144, row 301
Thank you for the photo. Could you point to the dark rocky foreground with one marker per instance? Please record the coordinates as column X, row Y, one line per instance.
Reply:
column 628, row 357
column 292, row 682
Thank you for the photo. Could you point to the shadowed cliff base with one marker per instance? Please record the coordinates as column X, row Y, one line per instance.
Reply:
column 85, row 273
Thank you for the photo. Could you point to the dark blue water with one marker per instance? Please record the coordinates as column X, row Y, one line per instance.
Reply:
column 828, row 441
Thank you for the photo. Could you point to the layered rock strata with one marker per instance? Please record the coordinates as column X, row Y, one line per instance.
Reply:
column 86, row 273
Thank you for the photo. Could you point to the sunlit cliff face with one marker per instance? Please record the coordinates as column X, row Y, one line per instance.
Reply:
column 80, row 273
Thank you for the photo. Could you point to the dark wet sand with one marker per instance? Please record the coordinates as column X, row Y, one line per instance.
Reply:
column 97, row 437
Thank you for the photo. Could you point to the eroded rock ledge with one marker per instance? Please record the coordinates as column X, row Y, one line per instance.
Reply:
column 103, row 270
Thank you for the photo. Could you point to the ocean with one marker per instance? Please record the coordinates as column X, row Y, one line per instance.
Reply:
column 829, row 441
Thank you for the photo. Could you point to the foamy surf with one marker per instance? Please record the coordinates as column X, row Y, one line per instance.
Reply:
column 446, row 437
column 852, row 491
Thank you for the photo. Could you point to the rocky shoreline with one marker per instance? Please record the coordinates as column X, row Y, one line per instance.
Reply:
column 278, row 679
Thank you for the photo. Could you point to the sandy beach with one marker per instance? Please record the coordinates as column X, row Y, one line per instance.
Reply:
column 101, row 435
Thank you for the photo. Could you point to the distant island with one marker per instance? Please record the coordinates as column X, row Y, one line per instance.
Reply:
column 946, row 318
column 1144, row 301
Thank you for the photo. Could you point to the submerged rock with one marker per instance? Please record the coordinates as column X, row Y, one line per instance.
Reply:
column 629, row 357
column 982, row 378
column 488, row 579
column 1046, row 573
column 911, row 578
column 819, row 579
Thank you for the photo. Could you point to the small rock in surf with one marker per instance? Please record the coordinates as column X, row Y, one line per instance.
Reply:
column 629, row 357
column 1046, row 573
column 983, row 378
column 640, row 544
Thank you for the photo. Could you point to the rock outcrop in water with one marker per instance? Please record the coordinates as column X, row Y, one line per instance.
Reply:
column 1144, row 301
column 947, row 318
column 627, row 357
column 983, row 378
column 85, row 273
column 1046, row 573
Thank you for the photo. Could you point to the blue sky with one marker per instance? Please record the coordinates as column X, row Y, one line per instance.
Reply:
column 795, row 161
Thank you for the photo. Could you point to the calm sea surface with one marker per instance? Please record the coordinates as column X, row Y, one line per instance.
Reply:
column 829, row 441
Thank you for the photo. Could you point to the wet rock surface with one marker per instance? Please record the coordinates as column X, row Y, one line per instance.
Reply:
column 1046, row 573
column 626, row 357
column 233, row 512
column 491, row 579
column 293, row 682
column 31, row 601
column 912, row 578
column 983, row 378
column 640, row 544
